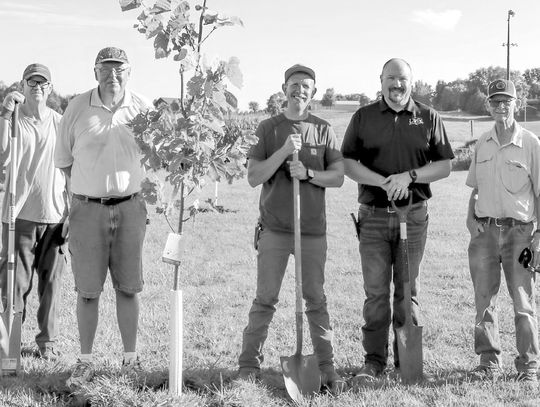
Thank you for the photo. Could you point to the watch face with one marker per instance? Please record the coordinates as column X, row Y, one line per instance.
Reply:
column 310, row 173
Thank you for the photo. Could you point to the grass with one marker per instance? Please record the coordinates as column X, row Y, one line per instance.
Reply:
column 218, row 281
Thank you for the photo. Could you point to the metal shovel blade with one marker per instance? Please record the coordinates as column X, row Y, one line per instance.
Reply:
column 409, row 341
column 301, row 375
column 10, row 342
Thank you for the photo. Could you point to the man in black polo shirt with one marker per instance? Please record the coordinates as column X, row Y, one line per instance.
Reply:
column 392, row 148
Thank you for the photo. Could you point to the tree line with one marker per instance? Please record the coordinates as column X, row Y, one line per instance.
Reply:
column 467, row 95
column 56, row 101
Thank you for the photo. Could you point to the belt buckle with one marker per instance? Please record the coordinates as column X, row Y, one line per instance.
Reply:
column 103, row 201
column 497, row 222
column 389, row 209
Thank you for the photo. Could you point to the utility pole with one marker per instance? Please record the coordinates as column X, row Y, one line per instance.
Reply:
column 508, row 44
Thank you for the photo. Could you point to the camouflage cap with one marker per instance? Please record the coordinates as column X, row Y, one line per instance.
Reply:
column 111, row 54
column 502, row 87
column 37, row 69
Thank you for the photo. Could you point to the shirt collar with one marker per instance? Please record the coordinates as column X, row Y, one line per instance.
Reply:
column 411, row 106
column 516, row 139
column 95, row 100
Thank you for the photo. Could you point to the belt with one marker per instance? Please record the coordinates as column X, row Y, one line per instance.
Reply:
column 105, row 201
column 500, row 221
column 389, row 209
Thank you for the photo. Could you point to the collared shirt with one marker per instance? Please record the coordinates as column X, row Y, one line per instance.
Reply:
column 319, row 150
column 100, row 147
column 507, row 176
column 389, row 142
column 40, row 190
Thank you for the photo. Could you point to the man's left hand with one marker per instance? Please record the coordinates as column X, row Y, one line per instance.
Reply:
column 396, row 186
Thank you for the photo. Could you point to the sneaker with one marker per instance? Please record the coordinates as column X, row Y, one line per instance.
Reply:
column 249, row 374
column 483, row 372
column 83, row 372
column 334, row 382
column 132, row 369
column 48, row 353
column 527, row 376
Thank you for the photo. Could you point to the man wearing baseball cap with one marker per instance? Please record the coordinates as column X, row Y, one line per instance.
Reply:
column 97, row 150
column 504, row 204
column 40, row 204
column 270, row 164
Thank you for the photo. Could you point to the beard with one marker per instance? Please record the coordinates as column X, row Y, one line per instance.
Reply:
column 397, row 95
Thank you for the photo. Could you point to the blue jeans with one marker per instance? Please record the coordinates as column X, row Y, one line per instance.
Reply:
column 274, row 251
column 487, row 251
column 379, row 254
column 39, row 249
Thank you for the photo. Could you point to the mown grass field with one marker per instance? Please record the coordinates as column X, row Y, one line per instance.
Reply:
column 218, row 281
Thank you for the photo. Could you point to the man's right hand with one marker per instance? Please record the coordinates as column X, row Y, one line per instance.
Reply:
column 8, row 105
column 474, row 227
column 292, row 144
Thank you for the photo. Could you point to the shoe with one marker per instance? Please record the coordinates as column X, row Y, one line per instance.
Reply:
column 527, row 376
column 48, row 353
column 249, row 374
column 132, row 369
column 334, row 382
column 366, row 375
column 483, row 372
column 83, row 372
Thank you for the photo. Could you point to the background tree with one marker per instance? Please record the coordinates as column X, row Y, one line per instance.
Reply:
column 422, row 92
column 532, row 78
column 254, row 107
column 329, row 98
column 275, row 102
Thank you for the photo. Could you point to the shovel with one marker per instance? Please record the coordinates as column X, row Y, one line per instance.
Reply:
column 409, row 336
column 11, row 321
column 300, row 372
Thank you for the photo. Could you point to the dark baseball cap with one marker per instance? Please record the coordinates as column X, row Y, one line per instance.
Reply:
column 112, row 54
column 37, row 69
column 299, row 68
column 502, row 87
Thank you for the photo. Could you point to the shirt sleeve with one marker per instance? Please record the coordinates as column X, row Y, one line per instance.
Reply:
column 471, row 176
column 440, row 147
column 352, row 144
column 258, row 151
column 63, row 156
column 332, row 153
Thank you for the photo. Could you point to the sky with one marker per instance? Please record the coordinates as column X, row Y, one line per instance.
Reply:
column 346, row 42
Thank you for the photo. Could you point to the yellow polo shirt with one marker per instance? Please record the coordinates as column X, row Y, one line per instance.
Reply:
column 100, row 147
column 507, row 176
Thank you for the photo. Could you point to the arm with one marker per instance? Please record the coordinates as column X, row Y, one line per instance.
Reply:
column 472, row 225
column 67, row 195
column 8, row 106
column 332, row 176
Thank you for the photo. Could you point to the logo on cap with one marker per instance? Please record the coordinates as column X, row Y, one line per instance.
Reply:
column 500, row 85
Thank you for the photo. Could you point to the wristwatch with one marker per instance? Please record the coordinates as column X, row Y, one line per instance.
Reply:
column 413, row 175
column 310, row 174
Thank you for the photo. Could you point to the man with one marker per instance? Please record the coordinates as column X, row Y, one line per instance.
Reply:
column 107, row 220
column 320, row 166
column 392, row 148
column 505, row 177
column 40, row 204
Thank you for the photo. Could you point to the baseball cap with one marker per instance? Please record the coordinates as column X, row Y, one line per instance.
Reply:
column 111, row 54
column 502, row 87
column 299, row 68
column 37, row 69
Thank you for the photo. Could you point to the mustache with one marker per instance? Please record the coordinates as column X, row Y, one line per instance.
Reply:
column 395, row 88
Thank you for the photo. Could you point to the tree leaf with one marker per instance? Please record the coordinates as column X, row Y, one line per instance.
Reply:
column 126, row 5
column 161, row 43
column 233, row 72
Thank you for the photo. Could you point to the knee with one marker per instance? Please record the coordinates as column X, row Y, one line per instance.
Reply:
column 126, row 295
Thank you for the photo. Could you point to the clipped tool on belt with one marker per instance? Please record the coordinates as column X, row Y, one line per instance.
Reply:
column 356, row 226
column 526, row 258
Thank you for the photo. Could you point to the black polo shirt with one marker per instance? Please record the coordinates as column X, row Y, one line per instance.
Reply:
column 390, row 142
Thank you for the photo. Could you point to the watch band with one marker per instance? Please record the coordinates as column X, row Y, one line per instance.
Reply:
column 413, row 175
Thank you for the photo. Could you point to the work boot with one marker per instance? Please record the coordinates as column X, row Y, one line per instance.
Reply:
column 484, row 372
column 132, row 369
column 334, row 382
column 366, row 375
column 48, row 353
column 528, row 378
column 249, row 374
column 83, row 372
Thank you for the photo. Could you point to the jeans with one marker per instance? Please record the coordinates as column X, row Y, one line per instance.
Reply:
column 39, row 250
column 273, row 253
column 487, row 251
column 379, row 254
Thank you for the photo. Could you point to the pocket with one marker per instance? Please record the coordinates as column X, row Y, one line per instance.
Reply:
column 483, row 166
column 419, row 216
column 312, row 155
column 514, row 175
column 364, row 212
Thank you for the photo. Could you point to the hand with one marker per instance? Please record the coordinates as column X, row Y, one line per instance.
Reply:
column 396, row 186
column 474, row 227
column 297, row 170
column 535, row 248
column 9, row 103
column 292, row 144
column 65, row 229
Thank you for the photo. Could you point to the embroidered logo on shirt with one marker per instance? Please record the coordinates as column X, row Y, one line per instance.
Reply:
column 313, row 151
column 416, row 121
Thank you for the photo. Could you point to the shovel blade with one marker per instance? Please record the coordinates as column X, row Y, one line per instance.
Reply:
column 10, row 343
column 301, row 375
column 409, row 341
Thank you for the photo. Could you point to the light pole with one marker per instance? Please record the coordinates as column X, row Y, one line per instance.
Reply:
column 508, row 44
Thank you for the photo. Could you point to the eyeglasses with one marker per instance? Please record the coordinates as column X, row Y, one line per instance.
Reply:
column 32, row 83
column 107, row 70
column 497, row 103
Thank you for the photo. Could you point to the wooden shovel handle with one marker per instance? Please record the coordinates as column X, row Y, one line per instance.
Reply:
column 297, row 261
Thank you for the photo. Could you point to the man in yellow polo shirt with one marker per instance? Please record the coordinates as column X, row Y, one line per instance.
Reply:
column 107, row 220
column 505, row 177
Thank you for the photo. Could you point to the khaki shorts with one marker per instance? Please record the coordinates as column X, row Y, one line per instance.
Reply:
column 107, row 237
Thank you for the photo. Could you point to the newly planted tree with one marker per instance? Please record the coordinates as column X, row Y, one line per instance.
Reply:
column 193, row 139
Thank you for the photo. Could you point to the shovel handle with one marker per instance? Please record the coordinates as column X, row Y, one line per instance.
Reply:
column 297, row 260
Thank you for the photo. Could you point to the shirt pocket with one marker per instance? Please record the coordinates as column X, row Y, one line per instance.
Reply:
column 484, row 167
column 312, row 155
column 515, row 175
